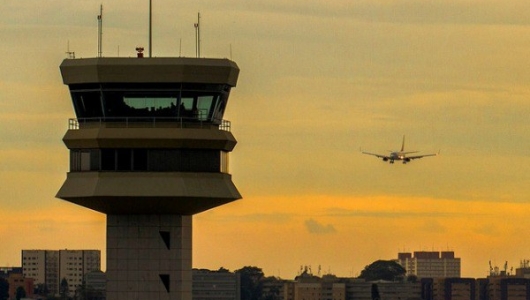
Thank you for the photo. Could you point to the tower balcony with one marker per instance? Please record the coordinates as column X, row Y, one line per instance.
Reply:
column 147, row 122
column 182, row 193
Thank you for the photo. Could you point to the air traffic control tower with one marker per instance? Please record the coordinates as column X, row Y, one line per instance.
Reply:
column 149, row 148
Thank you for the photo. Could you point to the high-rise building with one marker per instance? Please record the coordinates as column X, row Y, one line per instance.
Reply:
column 430, row 264
column 50, row 267
column 149, row 148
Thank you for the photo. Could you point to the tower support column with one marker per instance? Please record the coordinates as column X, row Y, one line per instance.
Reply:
column 149, row 257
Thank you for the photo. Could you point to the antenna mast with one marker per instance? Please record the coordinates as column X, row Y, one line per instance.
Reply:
column 198, row 36
column 100, row 31
column 150, row 28
column 69, row 54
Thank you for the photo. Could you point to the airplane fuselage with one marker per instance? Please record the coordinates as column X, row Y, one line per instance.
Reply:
column 399, row 155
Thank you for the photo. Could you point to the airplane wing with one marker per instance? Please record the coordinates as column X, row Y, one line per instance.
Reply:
column 378, row 155
column 409, row 152
column 420, row 156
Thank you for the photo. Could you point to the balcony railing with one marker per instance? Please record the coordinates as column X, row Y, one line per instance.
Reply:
column 145, row 122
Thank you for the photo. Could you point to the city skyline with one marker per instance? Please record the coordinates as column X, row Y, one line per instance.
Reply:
column 318, row 81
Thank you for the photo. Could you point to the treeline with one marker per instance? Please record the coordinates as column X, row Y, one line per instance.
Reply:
column 256, row 286
column 253, row 281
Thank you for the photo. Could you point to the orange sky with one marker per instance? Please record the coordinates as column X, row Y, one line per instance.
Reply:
column 318, row 81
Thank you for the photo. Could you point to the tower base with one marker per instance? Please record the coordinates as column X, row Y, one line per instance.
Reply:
column 149, row 257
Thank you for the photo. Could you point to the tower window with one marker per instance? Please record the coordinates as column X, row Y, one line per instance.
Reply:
column 176, row 101
column 153, row 160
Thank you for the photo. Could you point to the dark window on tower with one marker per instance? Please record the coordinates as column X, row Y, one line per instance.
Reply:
column 87, row 104
column 202, row 102
column 140, row 160
column 108, row 159
column 164, row 160
column 94, row 159
column 155, row 160
column 124, row 160
column 84, row 160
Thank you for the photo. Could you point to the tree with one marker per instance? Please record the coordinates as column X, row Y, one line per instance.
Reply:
column 4, row 289
column 87, row 292
column 64, row 290
column 270, row 288
column 41, row 289
column 20, row 293
column 251, row 285
column 383, row 270
column 80, row 292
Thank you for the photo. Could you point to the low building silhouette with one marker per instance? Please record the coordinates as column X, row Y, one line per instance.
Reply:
column 16, row 281
column 218, row 285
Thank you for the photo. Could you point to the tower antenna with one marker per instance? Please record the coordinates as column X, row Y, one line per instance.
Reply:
column 69, row 54
column 100, row 31
column 150, row 28
column 198, row 35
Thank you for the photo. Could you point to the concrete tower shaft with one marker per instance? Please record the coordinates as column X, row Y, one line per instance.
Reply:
column 149, row 148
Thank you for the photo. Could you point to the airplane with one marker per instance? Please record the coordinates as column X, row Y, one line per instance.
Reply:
column 400, row 155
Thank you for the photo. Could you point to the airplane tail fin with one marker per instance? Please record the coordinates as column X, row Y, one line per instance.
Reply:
column 403, row 144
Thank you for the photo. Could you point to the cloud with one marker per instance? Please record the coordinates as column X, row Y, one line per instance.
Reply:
column 391, row 213
column 433, row 226
column 487, row 230
column 317, row 228
column 272, row 217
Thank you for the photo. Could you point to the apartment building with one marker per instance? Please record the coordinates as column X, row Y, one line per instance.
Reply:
column 50, row 267
column 430, row 264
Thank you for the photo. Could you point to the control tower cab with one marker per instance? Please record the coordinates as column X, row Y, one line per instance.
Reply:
column 149, row 135
column 149, row 148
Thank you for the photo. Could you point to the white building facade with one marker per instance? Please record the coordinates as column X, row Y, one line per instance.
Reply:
column 430, row 264
column 50, row 267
